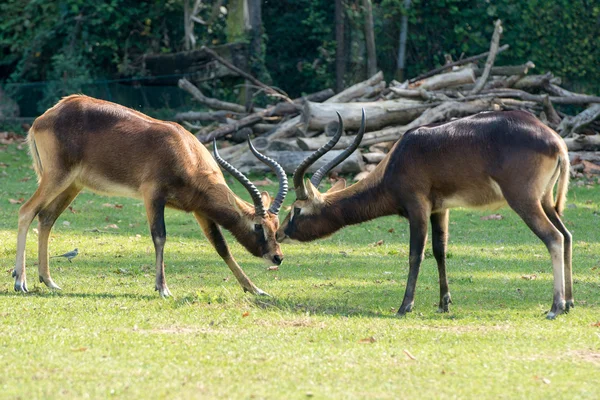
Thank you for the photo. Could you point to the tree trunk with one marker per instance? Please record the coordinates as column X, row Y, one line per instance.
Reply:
column 380, row 113
column 583, row 143
column 370, row 38
column 340, row 57
column 401, row 65
column 289, row 161
column 455, row 78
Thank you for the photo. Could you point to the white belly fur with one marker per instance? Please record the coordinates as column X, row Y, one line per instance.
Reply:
column 101, row 185
column 488, row 198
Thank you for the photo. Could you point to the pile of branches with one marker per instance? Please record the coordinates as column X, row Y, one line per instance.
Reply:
column 290, row 129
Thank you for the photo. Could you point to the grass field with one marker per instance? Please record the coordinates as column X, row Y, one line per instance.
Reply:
column 329, row 331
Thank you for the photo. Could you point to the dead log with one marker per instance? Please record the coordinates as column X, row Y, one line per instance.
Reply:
column 317, row 97
column 455, row 78
column 263, row 128
column 289, row 161
column 520, row 94
column 533, row 82
column 508, row 70
column 558, row 91
column 208, row 101
column 442, row 112
column 219, row 116
column 241, row 135
column 374, row 158
column 289, row 128
column 230, row 128
column 456, row 63
column 317, row 115
column 264, row 144
column 283, row 109
column 574, row 124
column 357, row 90
column 312, row 144
column 591, row 156
column 583, row 143
column 495, row 43
column 551, row 114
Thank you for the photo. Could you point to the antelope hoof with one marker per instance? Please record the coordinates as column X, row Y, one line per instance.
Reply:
column 164, row 291
column 557, row 309
column 257, row 292
column 21, row 285
column 49, row 283
column 568, row 305
column 405, row 309
column 445, row 304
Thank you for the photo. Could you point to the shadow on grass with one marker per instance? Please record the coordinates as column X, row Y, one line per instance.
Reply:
column 42, row 293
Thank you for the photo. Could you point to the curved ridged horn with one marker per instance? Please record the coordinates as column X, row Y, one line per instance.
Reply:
column 254, row 193
column 318, row 176
column 281, row 177
column 299, row 184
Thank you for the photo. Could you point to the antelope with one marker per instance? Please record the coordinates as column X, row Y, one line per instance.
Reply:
column 486, row 160
column 84, row 142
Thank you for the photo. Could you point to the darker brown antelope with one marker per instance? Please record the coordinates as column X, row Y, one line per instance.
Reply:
column 85, row 142
column 486, row 160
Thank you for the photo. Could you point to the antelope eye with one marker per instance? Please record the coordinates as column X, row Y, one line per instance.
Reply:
column 297, row 211
column 258, row 228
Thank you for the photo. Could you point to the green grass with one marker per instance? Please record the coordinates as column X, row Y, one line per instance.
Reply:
column 107, row 334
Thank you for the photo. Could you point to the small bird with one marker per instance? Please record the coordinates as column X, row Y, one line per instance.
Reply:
column 69, row 256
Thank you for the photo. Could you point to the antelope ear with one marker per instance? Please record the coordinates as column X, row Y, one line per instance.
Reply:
column 266, row 199
column 235, row 202
column 339, row 185
column 311, row 190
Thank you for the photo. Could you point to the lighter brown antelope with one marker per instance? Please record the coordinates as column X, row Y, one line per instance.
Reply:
column 84, row 142
column 486, row 160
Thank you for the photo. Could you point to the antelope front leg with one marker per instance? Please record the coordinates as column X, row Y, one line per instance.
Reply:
column 214, row 235
column 418, row 236
column 439, row 240
column 155, row 208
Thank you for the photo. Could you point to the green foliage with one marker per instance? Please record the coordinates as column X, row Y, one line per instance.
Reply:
column 48, row 40
column 558, row 36
column 111, row 36
column 301, row 45
column 68, row 75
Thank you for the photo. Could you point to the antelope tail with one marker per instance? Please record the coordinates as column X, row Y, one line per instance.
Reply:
column 563, row 182
column 33, row 150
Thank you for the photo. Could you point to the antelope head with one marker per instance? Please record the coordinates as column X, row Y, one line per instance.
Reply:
column 311, row 216
column 260, row 221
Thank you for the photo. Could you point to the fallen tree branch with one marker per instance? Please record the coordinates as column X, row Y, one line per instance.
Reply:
column 357, row 90
column 208, row 101
column 583, row 143
column 491, row 58
column 571, row 125
column 456, row 63
column 220, row 116
column 454, row 78
column 245, row 75
column 508, row 70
